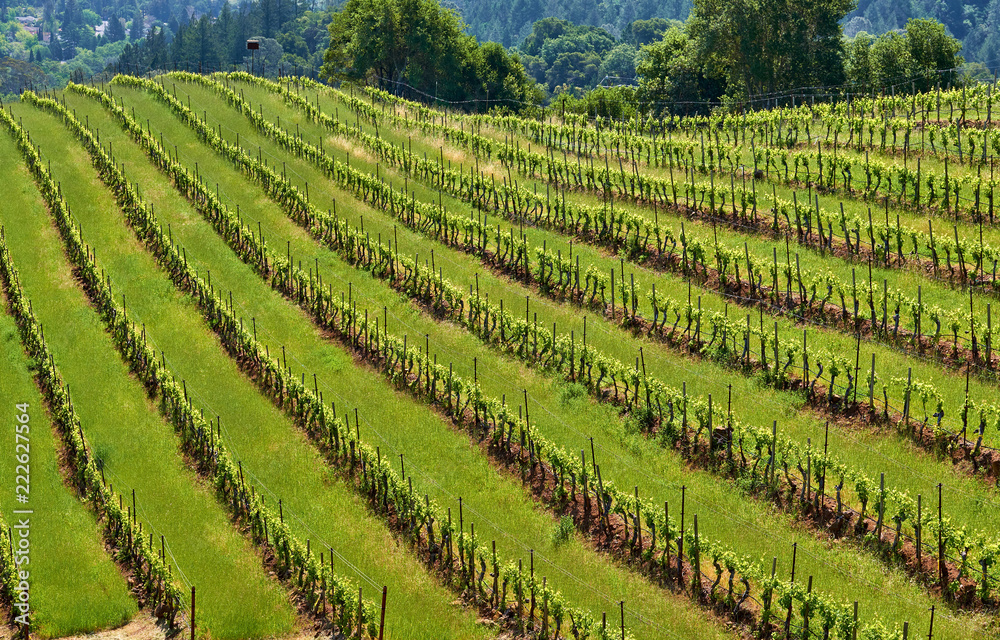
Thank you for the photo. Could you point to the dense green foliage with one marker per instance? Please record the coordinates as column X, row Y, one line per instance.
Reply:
column 762, row 46
column 510, row 22
column 294, row 38
column 918, row 53
column 731, row 52
column 47, row 45
column 421, row 46
column 976, row 23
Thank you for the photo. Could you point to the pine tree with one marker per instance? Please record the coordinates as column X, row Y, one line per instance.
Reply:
column 137, row 30
column 115, row 30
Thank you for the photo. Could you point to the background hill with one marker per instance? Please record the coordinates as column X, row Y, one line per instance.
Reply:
column 975, row 22
column 510, row 22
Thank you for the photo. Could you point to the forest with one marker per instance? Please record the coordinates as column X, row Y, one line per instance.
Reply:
column 667, row 52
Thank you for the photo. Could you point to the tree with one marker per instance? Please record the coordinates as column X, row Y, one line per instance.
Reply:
column 890, row 59
column 135, row 34
column 619, row 63
column 764, row 46
column 420, row 44
column 573, row 69
column 858, row 64
column 932, row 50
column 203, row 48
column 16, row 75
column 923, row 55
column 115, row 30
column 643, row 32
column 671, row 79
column 502, row 78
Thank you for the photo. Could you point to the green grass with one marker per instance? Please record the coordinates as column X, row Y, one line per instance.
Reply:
column 444, row 463
column 890, row 362
column 75, row 587
column 643, row 461
column 934, row 292
column 905, row 465
column 278, row 459
column 123, row 427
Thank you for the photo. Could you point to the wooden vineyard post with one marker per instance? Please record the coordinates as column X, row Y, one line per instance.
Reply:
column 680, row 543
column 774, row 453
column 359, row 613
column 942, row 567
column 917, row 530
column 854, row 630
column 381, row 622
column 545, row 607
column 531, row 610
column 881, row 508
column 989, row 337
column 666, row 535
column 805, row 616
column 906, row 399
column 805, row 358
column 621, row 604
column 696, row 565
column 871, row 387
column 788, row 616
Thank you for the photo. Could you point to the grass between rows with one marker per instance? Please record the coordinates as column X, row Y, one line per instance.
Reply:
column 496, row 373
column 905, row 465
column 276, row 457
column 891, row 362
column 75, row 586
column 138, row 449
column 935, row 292
column 444, row 463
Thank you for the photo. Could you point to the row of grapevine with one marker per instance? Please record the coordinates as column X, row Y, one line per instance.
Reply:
column 325, row 306
column 874, row 179
column 511, row 253
column 355, row 249
column 862, row 237
column 385, row 489
column 125, row 534
column 8, row 570
column 198, row 437
column 579, row 134
column 386, row 266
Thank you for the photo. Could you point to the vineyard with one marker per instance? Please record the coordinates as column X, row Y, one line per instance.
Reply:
column 281, row 358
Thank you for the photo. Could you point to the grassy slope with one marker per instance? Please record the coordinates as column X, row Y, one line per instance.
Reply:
column 273, row 453
column 915, row 470
column 123, row 427
column 634, row 456
column 951, row 385
column 905, row 466
column 919, row 472
column 75, row 587
column 445, row 464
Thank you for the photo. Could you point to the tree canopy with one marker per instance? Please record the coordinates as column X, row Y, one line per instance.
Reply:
column 923, row 54
column 419, row 45
column 764, row 46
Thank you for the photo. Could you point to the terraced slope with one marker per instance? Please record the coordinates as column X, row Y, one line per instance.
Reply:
column 611, row 361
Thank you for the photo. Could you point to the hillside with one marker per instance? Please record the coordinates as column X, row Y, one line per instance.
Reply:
column 510, row 22
column 976, row 22
column 729, row 378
